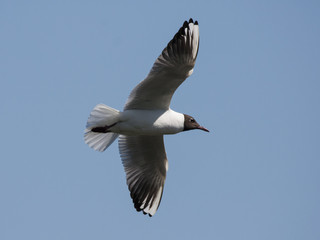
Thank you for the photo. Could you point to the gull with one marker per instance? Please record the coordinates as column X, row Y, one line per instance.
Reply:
column 146, row 117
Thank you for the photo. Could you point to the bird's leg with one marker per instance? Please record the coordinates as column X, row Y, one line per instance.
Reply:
column 103, row 129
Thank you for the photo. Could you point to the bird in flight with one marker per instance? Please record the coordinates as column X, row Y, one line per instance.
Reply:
column 146, row 117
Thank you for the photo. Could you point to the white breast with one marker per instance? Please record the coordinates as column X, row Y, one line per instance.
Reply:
column 149, row 122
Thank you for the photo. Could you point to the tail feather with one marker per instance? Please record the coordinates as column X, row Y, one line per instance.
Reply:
column 99, row 141
column 100, row 116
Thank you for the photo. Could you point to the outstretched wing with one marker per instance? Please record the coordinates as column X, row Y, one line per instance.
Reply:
column 172, row 67
column 145, row 163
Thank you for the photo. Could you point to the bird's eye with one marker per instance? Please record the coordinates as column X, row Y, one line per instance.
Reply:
column 192, row 120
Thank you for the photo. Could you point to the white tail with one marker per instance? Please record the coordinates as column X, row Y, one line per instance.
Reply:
column 101, row 116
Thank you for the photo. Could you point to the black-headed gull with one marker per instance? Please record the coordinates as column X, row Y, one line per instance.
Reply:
column 146, row 118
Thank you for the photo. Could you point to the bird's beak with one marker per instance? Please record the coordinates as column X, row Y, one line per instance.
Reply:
column 203, row 128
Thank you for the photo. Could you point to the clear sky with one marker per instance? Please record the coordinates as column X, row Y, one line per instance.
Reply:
column 255, row 85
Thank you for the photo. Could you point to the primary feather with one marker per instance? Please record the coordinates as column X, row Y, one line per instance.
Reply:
column 171, row 68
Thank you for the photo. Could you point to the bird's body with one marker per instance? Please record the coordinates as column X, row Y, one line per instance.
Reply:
column 146, row 118
column 149, row 122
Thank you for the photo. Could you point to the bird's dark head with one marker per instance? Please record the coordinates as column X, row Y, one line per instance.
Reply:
column 190, row 123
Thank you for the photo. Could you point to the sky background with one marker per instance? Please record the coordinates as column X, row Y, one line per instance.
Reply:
column 255, row 85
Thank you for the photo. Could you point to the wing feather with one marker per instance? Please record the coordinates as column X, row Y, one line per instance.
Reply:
column 172, row 67
column 145, row 163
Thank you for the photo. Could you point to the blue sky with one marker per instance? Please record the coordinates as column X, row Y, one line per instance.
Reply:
column 255, row 85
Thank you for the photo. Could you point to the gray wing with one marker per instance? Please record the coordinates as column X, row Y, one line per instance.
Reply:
column 172, row 67
column 145, row 163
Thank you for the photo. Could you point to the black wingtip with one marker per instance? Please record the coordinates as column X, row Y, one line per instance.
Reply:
column 191, row 21
column 144, row 213
column 185, row 24
column 181, row 31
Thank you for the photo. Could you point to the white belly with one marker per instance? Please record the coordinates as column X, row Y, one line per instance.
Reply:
column 149, row 122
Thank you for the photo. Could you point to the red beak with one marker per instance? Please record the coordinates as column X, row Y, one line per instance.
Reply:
column 203, row 128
